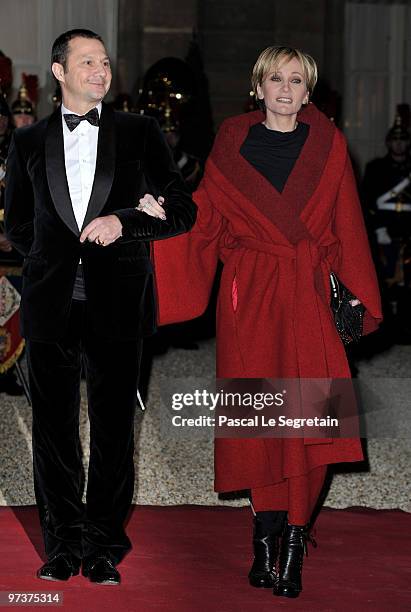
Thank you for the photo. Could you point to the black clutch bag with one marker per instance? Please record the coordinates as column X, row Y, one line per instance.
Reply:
column 348, row 319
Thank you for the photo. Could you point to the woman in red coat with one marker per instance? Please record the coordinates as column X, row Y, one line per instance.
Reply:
column 278, row 205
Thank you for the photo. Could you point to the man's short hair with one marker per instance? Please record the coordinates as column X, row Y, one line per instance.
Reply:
column 60, row 48
column 272, row 57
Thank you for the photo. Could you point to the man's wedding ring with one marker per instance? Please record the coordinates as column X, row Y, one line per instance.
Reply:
column 100, row 242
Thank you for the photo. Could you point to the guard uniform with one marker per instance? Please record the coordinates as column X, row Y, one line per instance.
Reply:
column 386, row 195
column 11, row 343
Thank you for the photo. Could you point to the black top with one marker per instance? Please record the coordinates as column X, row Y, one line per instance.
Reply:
column 274, row 153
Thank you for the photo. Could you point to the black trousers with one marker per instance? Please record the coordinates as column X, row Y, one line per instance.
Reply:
column 111, row 370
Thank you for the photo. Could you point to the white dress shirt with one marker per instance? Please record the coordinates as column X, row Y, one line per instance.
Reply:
column 80, row 154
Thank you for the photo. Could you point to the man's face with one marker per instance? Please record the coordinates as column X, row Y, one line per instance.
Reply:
column 87, row 77
column 22, row 119
column 172, row 139
column 398, row 145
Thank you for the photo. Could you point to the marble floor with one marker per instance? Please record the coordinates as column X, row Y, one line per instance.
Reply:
column 172, row 470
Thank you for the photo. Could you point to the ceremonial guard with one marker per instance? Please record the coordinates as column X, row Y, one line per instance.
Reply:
column 22, row 109
column 386, row 194
column 11, row 343
column 4, row 139
column 170, row 94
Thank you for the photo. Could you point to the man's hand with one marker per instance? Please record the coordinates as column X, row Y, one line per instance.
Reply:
column 151, row 207
column 103, row 230
column 5, row 245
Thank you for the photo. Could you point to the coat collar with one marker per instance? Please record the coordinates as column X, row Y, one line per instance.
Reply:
column 282, row 209
column 56, row 170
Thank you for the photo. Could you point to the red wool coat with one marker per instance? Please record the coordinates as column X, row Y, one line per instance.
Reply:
column 273, row 313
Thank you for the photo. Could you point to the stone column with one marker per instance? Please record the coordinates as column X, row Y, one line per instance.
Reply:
column 148, row 31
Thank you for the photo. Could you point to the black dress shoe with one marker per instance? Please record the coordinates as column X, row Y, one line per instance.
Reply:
column 9, row 384
column 60, row 567
column 101, row 570
column 266, row 547
column 293, row 547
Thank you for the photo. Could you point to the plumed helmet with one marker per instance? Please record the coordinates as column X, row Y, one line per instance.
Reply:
column 169, row 85
column 400, row 129
column 22, row 105
column 6, row 72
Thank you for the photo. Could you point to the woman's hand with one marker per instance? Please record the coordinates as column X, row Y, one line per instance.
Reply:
column 152, row 207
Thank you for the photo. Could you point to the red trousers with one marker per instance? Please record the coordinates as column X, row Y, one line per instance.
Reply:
column 297, row 495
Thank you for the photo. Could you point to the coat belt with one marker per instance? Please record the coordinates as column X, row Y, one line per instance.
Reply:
column 308, row 291
column 282, row 250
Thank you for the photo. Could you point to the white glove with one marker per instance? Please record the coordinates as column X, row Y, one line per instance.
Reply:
column 383, row 236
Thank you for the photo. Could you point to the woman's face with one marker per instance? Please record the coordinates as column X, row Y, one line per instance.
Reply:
column 284, row 90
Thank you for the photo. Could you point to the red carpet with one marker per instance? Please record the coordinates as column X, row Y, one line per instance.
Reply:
column 195, row 558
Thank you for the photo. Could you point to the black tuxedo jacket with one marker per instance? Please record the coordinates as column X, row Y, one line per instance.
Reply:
column 132, row 159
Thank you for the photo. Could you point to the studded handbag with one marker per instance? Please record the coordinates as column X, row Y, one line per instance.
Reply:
column 348, row 319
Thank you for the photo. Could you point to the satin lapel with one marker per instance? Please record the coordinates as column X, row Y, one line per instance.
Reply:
column 56, row 171
column 105, row 164
column 281, row 209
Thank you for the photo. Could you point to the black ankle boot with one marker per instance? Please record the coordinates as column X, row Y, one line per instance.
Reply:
column 266, row 547
column 293, row 547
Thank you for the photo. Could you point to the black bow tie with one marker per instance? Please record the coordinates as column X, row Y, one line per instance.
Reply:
column 73, row 120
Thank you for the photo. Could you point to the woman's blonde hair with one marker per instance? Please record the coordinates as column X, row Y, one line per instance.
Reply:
column 271, row 58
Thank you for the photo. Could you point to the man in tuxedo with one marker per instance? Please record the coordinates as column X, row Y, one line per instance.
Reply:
column 88, row 188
